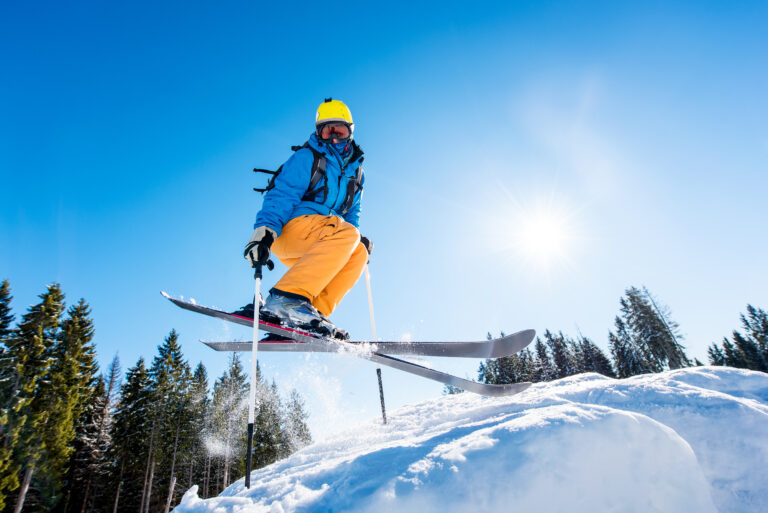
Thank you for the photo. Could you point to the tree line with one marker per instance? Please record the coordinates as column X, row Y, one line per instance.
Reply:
column 747, row 350
column 644, row 340
column 74, row 439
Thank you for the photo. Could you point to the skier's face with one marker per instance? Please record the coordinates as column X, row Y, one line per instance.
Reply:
column 334, row 132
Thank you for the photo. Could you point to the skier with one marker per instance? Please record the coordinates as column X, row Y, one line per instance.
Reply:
column 309, row 220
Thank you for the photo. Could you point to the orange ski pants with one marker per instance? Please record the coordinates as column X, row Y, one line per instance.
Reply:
column 324, row 257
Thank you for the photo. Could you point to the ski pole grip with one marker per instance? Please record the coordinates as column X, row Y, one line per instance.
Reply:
column 257, row 268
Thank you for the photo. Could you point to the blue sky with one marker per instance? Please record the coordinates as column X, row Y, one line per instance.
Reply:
column 526, row 162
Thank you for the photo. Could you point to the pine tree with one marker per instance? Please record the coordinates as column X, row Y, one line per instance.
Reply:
column 65, row 394
column 8, row 467
column 590, row 358
column 268, row 437
column 543, row 367
column 748, row 350
column 715, row 355
column 130, row 433
column 756, row 326
column 486, row 372
column 171, row 376
column 90, row 465
column 197, row 459
column 85, row 446
column 191, row 411
column 733, row 357
column 628, row 359
column 656, row 333
column 639, row 336
column 226, row 437
column 516, row 368
column 526, row 366
column 30, row 429
column 562, row 357
column 6, row 315
column 754, row 342
column 750, row 353
column 646, row 338
column 296, row 429
column 601, row 364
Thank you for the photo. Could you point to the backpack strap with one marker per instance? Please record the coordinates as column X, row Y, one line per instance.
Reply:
column 271, row 183
column 318, row 173
column 353, row 187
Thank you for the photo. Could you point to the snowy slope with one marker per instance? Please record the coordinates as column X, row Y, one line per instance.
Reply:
column 689, row 440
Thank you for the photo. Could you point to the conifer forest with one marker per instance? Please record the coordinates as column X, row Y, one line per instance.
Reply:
column 78, row 438
column 644, row 339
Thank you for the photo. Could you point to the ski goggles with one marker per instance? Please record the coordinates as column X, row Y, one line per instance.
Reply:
column 329, row 131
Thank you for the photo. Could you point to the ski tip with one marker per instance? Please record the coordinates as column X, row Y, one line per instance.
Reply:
column 527, row 335
column 212, row 346
column 509, row 389
column 521, row 387
column 165, row 294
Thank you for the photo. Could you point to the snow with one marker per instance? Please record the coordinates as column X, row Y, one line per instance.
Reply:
column 687, row 440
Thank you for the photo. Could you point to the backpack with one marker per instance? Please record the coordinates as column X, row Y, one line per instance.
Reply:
column 318, row 173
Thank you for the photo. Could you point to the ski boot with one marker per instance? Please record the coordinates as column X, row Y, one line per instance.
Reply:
column 294, row 311
column 337, row 332
column 341, row 334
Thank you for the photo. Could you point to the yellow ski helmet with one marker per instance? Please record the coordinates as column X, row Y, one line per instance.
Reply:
column 333, row 111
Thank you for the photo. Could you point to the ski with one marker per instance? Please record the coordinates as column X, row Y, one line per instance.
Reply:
column 494, row 348
column 356, row 349
column 447, row 379
column 361, row 351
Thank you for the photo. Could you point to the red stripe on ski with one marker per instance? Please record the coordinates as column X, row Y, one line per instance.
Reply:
column 265, row 323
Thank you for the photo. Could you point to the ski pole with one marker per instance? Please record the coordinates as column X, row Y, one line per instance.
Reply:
column 373, row 331
column 254, row 355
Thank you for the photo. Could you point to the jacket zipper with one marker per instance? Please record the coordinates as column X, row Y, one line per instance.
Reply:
column 342, row 169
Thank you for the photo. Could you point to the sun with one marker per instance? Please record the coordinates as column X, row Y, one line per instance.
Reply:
column 544, row 234
column 537, row 234
column 543, row 237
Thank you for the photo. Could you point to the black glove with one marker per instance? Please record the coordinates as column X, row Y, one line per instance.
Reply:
column 257, row 249
column 367, row 243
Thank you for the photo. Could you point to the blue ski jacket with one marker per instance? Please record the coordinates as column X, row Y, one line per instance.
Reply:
column 284, row 202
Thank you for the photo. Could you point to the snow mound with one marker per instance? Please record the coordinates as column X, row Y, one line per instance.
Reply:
column 687, row 440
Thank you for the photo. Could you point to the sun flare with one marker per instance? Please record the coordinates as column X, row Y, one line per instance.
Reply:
column 544, row 234
column 544, row 237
